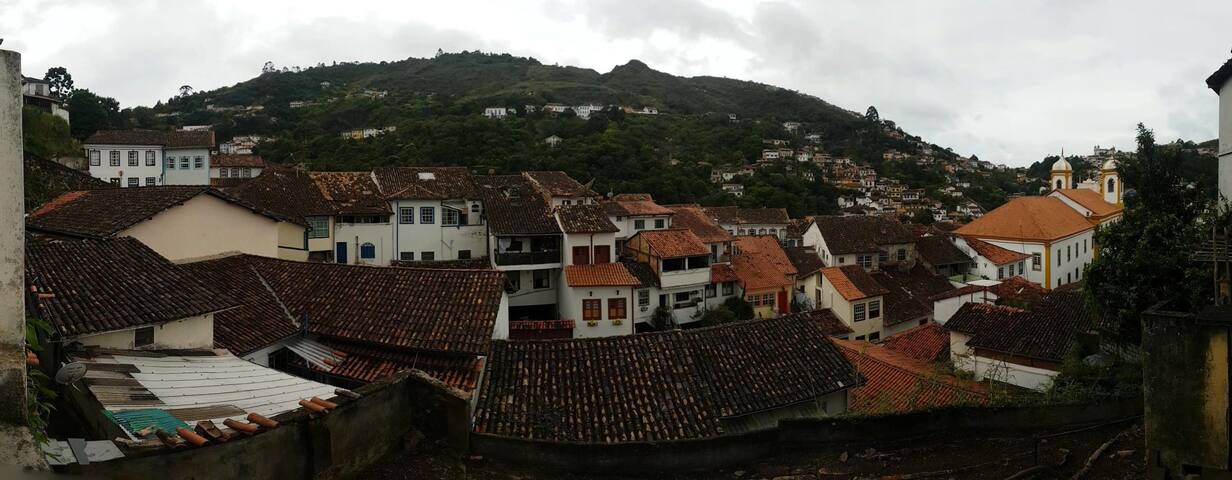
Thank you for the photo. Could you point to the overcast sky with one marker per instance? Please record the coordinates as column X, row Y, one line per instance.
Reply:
column 1010, row 81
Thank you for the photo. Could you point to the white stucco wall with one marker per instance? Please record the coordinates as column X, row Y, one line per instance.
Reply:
column 206, row 225
column 528, row 295
column 986, row 269
column 104, row 171
column 571, row 308
column 443, row 241
column 1225, row 140
column 589, row 241
column 844, row 310
column 356, row 234
column 193, row 175
column 188, row 333
column 627, row 225
column 1024, row 376
column 946, row 308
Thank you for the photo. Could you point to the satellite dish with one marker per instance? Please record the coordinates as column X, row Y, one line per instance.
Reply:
column 70, row 373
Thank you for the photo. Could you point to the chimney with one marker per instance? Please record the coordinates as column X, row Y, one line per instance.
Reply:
column 12, row 244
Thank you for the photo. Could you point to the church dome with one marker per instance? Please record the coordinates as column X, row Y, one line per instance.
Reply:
column 1061, row 165
column 1109, row 164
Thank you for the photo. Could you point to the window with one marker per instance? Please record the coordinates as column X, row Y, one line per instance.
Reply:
column 427, row 256
column 859, row 337
column 1000, row 273
column 639, row 224
column 902, row 254
column 1035, row 261
column 406, row 215
column 659, row 223
column 643, row 298
column 873, row 337
column 132, row 158
column 1112, row 185
column 94, row 158
column 169, row 162
column 581, row 255
column 464, row 254
column 1058, row 257
column 149, row 181
column 474, row 208
column 115, row 181
column 754, row 300
column 134, row 181
column 427, row 215
column 1020, row 270
column 514, row 279
column 318, row 227
column 1067, row 253
column 842, row 260
column 143, row 336
column 874, row 309
column 742, row 231
column 449, row 217
column 865, row 261
column 729, row 288
column 198, row 162
column 149, row 158
column 183, row 163
column 1084, row 245
column 367, row 251
column 603, row 254
column 407, row 256
column 114, row 158
column 883, row 257
column 591, row 309
column 615, row 308
column 540, row 279
column 224, row 172
column 246, row 172
column 857, row 312
column 712, row 290
column 683, row 296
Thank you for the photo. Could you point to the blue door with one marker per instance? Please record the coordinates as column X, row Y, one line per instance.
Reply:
column 340, row 252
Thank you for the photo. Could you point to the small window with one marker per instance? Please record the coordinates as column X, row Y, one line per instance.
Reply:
column 541, row 279
column 865, row 261
column 1001, row 273
column 1036, row 261
column 1020, row 270
column 115, row 181
column 149, row 181
column 169, row 162
column 683, row 296
column 729, row 288
column 449, row 217
column 474, row 208
column 94, row 158
column 149, row 158
column 198, row 162
column 712, row 290
column 1111, row 185
column 427, row 215
column 318, row 227
column 143, row 336
column 134, row 181
column 407, row 256
column 859, row 338
column 857, row 311
column 874, row 309
column 639, row 224
column 1058, row 257
column 183, row 163
column 902, row 254
column 132, row 158
column 873, row 337
column 643, row 298
column 1068, row 255
column 659, row 223
column 883, row 257
column 592, row 309
column 114, row 158
column 246, row 172
column 224, row 172
column 616, row 308
column 1084, row 245
column 406, row 215
column 427, row 256
column 367, row 251
column 464, row 254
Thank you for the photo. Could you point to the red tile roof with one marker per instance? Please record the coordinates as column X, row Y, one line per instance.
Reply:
column 634, row 204
column 173, row 139
column 426, row 183
column 585, row 219
column 749, row 216
column 996, row 255
column 1044, row 332
column 599, row 275
column 825, row 319
column 559, row 184
column 972, row 318
column 805, row 259
column 852, row 282
column 350, row 192
column 367, row 364
column 513, row 205
column 694, row 219
column 236, row 160
column 861, row 233
column 896, row 383
column 1091, row 200
column 928, row 343
column 761, row 263
column 673, row 243
column 661, row 386
column 1018, row 289
column 95, row 286
column 259, row 321
column 1028, row 218
column 722, row 272
column 908, row 292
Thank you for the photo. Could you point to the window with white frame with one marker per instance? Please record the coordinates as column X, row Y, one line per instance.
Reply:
column 94, row 158
column 639, row 224
column 114, row 158
column 1036, row 261
column 659, row 223
column 407, row 256
column 134, row 181
column 198, row 162
column 318, row 227
column 169, row 162
column 406, row 215
column 857, row 312
column 427, row 256
column 246, row 172
column 183, row 163
column 132, row 158
column 729, row 288
column 150, row 159
column 865, row 261
column 874, row 309
column 427, row 215
column 643, row 298
column 712, row 290
column 449, row 217
column 149, row 181
column 224, row 172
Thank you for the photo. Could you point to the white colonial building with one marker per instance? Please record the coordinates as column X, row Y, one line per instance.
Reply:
column 133, row 158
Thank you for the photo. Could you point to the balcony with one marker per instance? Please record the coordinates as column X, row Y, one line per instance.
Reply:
column 682, row 278
column 526, row 258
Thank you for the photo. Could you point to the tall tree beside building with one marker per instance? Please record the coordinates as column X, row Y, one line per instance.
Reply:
column 60, row 81
column 91, row 113
column 1144, row 259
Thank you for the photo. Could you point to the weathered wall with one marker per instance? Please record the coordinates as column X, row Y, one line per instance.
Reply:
column 12, row 243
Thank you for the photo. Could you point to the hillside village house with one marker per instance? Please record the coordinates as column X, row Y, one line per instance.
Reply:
column 855, row 298
column 765, row 274
column 682, row 264
column 941, row 256
column 495, row 112
column 131, row 158
column 808, row 275
column 525, row 239
column 634, row 212
column 236, row 166
column 598, row 290
column 36, row 93
column 157, row 304
column 990, row 261
column 752, row 221
column 872, row 242
column 178, row 222
column 906, row 303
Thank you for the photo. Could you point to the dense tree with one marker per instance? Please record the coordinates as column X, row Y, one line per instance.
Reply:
column 871, row 115
column 61, row 82
column 91, row 113
column 1144, row 259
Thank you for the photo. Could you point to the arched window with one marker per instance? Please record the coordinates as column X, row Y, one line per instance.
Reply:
column 1112, row 185
column 367, row 251
column 1058, row 184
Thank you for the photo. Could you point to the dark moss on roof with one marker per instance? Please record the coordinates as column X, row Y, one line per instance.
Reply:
column 513, row 205
column 590, row 218
column 806, row 260
column 260, row 318
column 45, row 180
column 171, row 139
column 909, row 292
column 861, row 234
column 938, row 250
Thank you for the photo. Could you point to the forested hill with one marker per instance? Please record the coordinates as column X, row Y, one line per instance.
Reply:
column 436, row 106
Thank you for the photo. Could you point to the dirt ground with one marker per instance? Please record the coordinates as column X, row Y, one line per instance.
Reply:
column 983, row 458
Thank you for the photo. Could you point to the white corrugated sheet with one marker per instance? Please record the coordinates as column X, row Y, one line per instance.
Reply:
column 313, row 352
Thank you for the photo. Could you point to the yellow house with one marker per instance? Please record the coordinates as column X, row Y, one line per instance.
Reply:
column 178, row 222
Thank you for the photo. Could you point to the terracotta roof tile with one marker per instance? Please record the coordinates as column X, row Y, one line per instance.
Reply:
column 928, row 343
column 1018, row 289
column 972, row 318
column 852, row 282
column 861, row 233
column 644, row 273
column 896, row 383
column 723, row 272
column 599, row 275
column 634, row 204
column 673, row 243
column 805, row 259
column 366, row 363
column 940, row 250
column 173, row 139
column 657, row 386
column 46, row 180
column 236, row 160
column 995, row 254
column 585, row 219
column 908, row 292
column 259, row 320
column 1028, row 218
column 513, row 205
column 694, row 219
column 761, row 263
column 559, row 184
column 745, row 216
column 426, row 183
column 104, row 285
column 825, row 319
column 287, row 191
column 1045, row 332
column 1091, row 200
column 350, row 192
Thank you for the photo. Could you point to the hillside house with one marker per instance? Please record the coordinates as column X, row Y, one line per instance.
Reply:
column 635, row 212
column 131, row 158
column 235, row 166
column 1057, row 239
column 681, row 262
column 495, row 112
column 526, row 243
column 36, row 93
column 871, row 242
column 752, row 221
column 855, row 298
column 765, row 274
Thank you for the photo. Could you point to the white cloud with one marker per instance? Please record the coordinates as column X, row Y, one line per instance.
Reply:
column 1010, row 82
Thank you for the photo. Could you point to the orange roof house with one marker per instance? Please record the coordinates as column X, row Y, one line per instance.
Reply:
column 1038, row 219
column 600, row 275
column 852, row 282
column 1091, row 203
column 1050, row 230
column 898, row 383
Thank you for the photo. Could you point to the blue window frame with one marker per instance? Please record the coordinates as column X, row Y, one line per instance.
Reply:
column 367, row 251
column 406, row 215
column 427, row 215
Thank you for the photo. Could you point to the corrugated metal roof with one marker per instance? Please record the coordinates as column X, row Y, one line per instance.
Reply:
column 312, row 352
column 211, row 386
